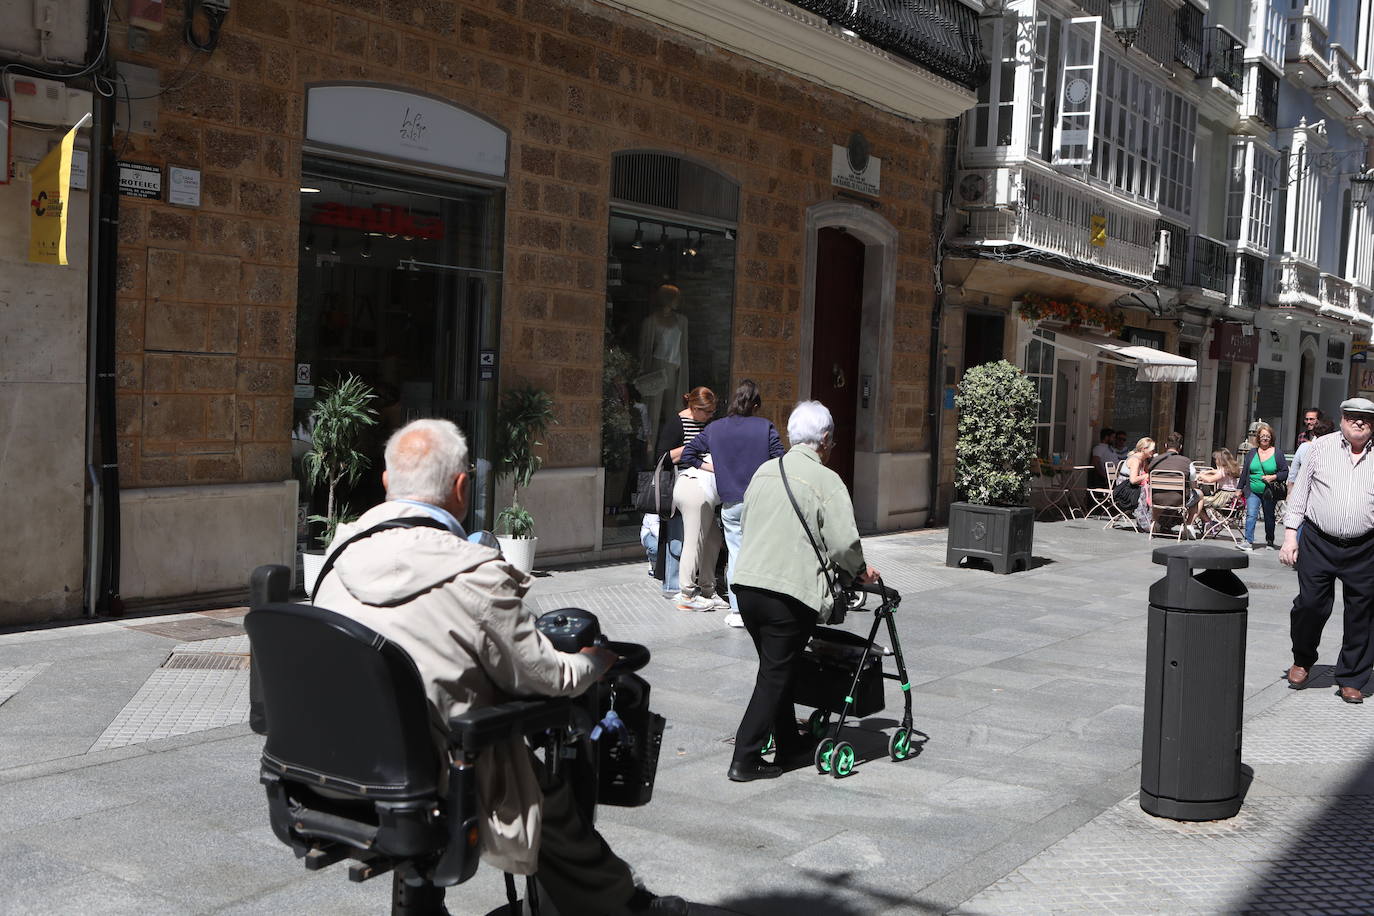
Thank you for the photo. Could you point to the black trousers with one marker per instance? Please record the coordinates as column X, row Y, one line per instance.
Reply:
column 780, row 627
column 1320, row 564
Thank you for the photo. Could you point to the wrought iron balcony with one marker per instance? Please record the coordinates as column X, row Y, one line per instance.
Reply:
column 1208, row 266
column 1263, row 101
column 1055, row 215
column 1223, row 58
column 938, row 35
column 1188, row 41
column 1297, row 284
column 1173, row 270
column 1342, row 299
column 1248, row 291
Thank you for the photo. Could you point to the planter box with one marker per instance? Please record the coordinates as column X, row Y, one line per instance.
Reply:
column 1002, row 535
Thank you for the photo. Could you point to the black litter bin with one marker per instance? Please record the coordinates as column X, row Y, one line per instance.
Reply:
column 1190, row 766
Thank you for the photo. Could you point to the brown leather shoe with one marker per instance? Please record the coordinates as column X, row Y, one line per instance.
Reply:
column 1350, row 694
column 1297, row 676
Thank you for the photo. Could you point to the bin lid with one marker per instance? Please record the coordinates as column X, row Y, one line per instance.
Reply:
column 1202, row 556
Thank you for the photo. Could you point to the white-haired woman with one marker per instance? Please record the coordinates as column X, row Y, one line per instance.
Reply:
column 780, row 587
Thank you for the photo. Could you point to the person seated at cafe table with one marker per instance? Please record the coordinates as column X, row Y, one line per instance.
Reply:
column 1102, row 453
column 1165, row 504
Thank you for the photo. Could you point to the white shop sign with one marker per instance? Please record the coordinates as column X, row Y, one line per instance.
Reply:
column 406, row 126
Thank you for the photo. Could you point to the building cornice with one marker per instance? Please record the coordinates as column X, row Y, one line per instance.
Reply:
column 782, row 35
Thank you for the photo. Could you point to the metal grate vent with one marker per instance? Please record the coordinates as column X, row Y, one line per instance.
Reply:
column 207, row 661
column 673, row 183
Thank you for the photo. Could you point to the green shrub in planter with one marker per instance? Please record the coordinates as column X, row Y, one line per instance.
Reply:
column 993, row 458
column 996, row 442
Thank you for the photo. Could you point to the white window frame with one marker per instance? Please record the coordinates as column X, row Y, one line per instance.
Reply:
column 1128, row 134
column 1252, row 176
column 1074, row 127
column 999, row 108
column 1178, row 152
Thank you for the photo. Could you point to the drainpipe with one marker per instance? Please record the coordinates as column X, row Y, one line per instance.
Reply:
column 103, row 447
column 935, row 388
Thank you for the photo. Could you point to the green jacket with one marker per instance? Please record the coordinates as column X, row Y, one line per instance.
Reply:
column 775, row 554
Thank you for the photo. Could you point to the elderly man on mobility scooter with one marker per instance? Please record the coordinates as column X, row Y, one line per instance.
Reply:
column 456, row 609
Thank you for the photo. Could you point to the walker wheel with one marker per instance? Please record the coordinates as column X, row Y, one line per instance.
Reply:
column 823, row 755
column 818, row 722
column 768, row 745
column 842, row 760
column 899, row 747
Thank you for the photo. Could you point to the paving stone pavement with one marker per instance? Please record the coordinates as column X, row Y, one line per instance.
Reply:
column 128, row 782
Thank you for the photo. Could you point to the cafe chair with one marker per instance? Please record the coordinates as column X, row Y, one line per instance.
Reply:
column 351, row 765
column 1162, row 482
column 1100, row 498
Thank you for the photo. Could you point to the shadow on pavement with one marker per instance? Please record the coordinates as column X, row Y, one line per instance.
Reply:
column 846, row 897
column 1326, row 868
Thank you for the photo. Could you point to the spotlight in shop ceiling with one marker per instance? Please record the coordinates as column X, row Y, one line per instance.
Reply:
column 310, row 240
column 1125, row 19
column 638, row 243
column 688, row 249
column 310, row 190
column 334, row 243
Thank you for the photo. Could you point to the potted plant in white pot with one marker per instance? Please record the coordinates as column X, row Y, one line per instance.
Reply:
column 525, row 415
column 337, row 422
column 993, row 458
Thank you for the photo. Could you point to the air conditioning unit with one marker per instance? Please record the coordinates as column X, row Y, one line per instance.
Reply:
column 1162, row 244
column 982, row 188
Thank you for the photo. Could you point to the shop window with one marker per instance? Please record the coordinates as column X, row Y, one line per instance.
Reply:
column 399, row 283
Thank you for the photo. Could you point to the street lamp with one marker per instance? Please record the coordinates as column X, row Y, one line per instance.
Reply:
column 1360, row 186
column 1125, row 16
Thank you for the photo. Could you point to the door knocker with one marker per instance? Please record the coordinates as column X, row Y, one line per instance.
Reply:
column 837, row 376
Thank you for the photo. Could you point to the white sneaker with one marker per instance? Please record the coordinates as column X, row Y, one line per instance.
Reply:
column 1245, row 545
column 719, row 602
column 694, row 602
column 733, row 619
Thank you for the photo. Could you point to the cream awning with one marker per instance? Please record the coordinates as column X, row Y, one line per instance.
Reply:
column 1150, row 365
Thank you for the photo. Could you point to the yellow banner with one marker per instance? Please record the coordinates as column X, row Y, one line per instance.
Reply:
column 50, row 183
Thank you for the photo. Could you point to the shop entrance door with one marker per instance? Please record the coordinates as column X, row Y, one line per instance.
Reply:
column 399, row 285
column 835, row 350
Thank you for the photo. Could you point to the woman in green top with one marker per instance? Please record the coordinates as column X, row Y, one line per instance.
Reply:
column 779, row 585
column 1264, row 465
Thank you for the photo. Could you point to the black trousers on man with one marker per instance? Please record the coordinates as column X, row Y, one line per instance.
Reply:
column 1322, row 560
column 780, row 626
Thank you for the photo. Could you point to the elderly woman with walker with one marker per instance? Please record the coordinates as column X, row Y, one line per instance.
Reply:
column 782, row 593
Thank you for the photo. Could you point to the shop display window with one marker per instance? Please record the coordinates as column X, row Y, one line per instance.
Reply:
column 399, row 284
column 669, row 315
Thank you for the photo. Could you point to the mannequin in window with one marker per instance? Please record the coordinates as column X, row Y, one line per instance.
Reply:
column 663, row 355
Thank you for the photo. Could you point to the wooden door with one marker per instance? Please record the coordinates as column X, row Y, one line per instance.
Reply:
column 835, row 347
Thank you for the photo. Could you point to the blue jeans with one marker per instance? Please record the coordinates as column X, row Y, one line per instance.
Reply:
column 674, row 555
column 732, row 520
column 1253, row 503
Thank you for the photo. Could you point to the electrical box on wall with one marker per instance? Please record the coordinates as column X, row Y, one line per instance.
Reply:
column 55, row 30
column 49, row 103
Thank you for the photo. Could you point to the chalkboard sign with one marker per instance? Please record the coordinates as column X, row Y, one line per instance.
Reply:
column 1133, row 409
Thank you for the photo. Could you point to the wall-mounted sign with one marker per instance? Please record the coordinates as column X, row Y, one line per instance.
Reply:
column 1230, row 342
column 388, row 219
column 1097, row 230
column 404, row 125
column 1335, row 367
column 139, row 180
column 486, row 365
column 302, row 373
column 861, row 174
column 183, row 187
column 81, row 160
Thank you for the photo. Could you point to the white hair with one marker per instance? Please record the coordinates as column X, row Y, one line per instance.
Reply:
column 809, row 424
column 423, row 458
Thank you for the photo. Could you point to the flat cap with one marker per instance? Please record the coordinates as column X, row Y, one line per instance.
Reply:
column 1357, row 405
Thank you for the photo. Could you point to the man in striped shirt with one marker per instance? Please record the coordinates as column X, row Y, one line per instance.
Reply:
column 1333, row 501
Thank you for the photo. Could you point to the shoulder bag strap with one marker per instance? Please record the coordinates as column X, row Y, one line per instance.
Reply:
column 820, row 557
column 408, row 522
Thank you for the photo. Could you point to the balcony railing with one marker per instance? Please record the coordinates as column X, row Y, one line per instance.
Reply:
column 1249, row 288
column 1056, row 216
column 1362, row 300
column 1223, row 58
column 1175, row 273
column 1188, row 37
column 1207, row 267
column 1297, row 285
column 939, row 35
column 1307, row 45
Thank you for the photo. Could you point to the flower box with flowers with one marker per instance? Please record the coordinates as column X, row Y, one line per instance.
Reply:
column 1034, row 307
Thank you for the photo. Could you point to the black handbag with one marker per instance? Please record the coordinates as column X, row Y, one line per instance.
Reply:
column 1275, row 490
column 654, row 489
column 839, row 596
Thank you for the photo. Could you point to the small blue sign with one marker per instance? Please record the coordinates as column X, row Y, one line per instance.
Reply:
column 949, row 398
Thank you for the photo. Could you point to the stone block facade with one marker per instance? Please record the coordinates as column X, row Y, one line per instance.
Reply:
column 206, row 308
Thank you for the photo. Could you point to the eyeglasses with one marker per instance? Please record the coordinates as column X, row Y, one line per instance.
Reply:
column 1363, row 419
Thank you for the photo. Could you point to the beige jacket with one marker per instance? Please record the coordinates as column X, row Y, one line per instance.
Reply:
column 775, row 553
column 456, row 608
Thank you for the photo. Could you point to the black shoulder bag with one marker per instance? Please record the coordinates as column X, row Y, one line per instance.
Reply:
column 414, row 521
column 654, row 489
column 839, row 596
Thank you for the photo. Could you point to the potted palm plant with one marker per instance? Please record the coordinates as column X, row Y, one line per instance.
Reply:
column 525, row 415
column 337, row 422
column 993, row 458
